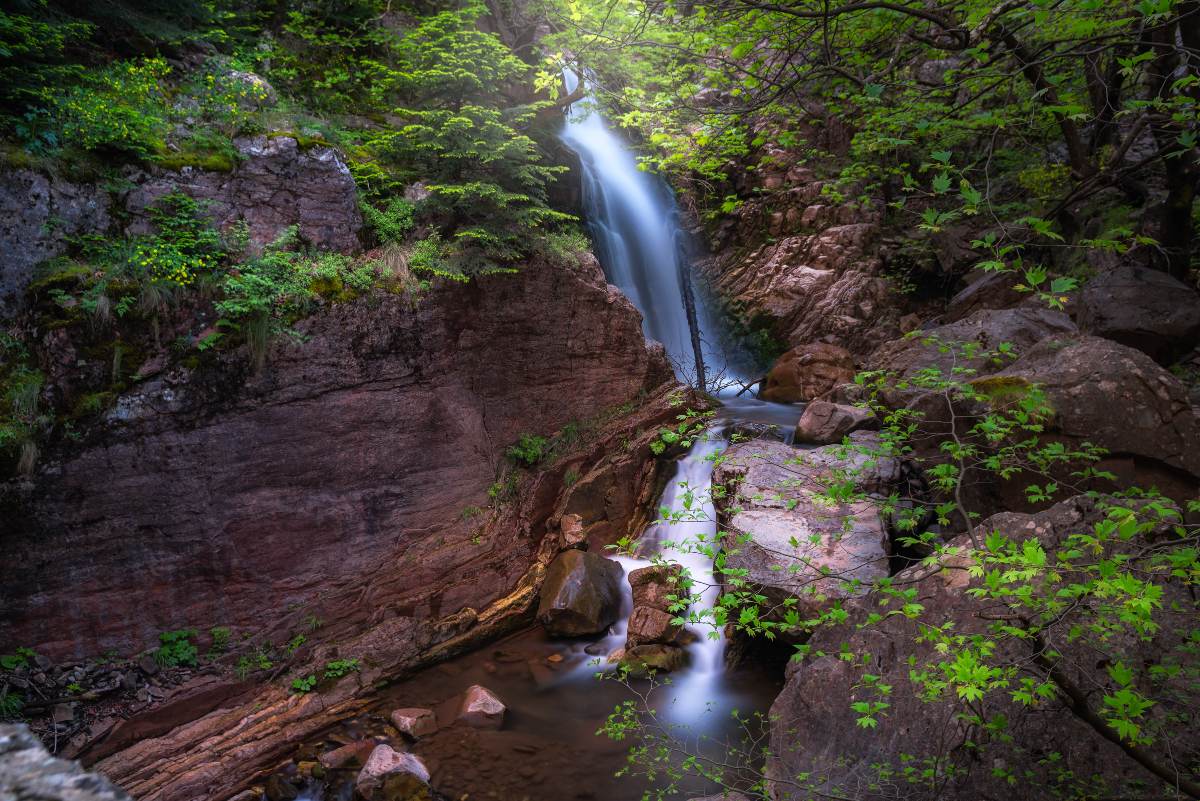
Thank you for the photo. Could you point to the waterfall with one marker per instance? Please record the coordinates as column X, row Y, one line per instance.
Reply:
column 634, row 223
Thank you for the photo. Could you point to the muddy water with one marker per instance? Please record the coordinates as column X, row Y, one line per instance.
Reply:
column 548, row 748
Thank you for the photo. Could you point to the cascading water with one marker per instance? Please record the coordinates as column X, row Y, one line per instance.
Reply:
column 635, row 228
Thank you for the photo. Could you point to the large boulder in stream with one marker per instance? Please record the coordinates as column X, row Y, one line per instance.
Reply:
column 29, row 773
column 581, row 594
column 798, row 546
column 807, row 371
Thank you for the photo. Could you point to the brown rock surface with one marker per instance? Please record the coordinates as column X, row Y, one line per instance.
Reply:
column 581, row 594
column 814, row 733
column 333, row 481
column 807, row 371
column 799, row 546
column 823, row 422
column 1142, row 308
column 481, row 708
column 277, row 184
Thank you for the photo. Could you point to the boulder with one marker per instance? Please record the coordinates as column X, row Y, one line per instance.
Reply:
column 643, row 659
column 1118, row 398
column 823, row 423
column 649, row 625
column 414, row 722
column 653, row 585
column 276, row 184
column 814, row 733
column 1022, row 328
column 800, row 547
column 1142, row 308
column 29, row 773
column 391, row 775
column 807, row 371
column 481, row 709
column 581, row 594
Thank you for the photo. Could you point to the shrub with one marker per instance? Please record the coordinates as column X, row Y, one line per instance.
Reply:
column 528, row 451
column 120, row 109
column 176, row 649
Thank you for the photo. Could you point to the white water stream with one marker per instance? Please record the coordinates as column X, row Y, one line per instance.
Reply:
column 634, row 222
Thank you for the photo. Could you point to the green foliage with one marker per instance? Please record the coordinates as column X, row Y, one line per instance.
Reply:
column 11, row 705
column 338, row 668
column 21, row 658
column 304, row 684
column 259, row 660
column 393, row 223
column 528, row 451
column 176, row 649
column 220, row 639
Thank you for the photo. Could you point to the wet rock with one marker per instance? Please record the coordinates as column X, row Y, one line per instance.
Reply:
column 823, row 423
column 581, row 594
column 29, row 773
column 278, row 788
column 1142, row 308
column 391, row 775
column 643, row 659
column 807, row 371
column 653, row 585
column 481, row 708
column 571, row 531
column 351, row 753
column 648, row 625
column 276, row 184
column 799, row 546
column 414, row 722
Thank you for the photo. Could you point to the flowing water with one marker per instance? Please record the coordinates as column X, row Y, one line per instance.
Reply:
column 549, row 749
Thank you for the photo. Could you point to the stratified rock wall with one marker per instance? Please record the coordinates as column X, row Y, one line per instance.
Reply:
column 336, row 480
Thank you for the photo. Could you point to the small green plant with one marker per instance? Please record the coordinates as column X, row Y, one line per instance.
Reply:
column 74, row 688
column 312, row 622
column 341, row 667
column 11, row 705
column 250, row 663
column 528, row 451
column 294, row 644
column 22, row 658
column 176, row 649
column 304, row 684
column 220, row 639
column 469, row 512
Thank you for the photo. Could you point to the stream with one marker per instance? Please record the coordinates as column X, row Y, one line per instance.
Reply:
column 559, row 693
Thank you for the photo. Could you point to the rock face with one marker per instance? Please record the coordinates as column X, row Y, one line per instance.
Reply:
column 581, row 594
column 987, row 291
column 823, row 423
column 806, row 371
column 481, row 709
column 334, row 480
column 29, row 773
column 37, row 216
column 1142, row 308
column 814, row 733
column 800, row 547
column 276, row 184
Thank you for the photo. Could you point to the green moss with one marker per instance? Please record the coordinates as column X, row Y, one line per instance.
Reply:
column 212, row 162
column 92, row 404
